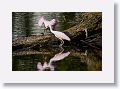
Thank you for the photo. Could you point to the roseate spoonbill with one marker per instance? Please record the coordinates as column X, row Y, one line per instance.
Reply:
column 57, row 57
column 46, row 23
column 60, row 35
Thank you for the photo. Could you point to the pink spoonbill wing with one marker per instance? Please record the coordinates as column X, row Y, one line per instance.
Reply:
column 41, row 20
column 53, row 22
column 39, row 66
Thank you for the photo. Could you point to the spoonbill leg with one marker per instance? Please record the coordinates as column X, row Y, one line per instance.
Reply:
column 62, row 42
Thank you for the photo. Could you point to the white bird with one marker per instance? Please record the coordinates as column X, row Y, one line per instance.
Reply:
column 57, row 57
column 60, row 35
column 46, row 23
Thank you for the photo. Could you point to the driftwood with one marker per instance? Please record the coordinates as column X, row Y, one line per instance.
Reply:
column 90, row 21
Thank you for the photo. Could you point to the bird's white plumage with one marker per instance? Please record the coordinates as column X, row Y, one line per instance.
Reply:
column 61, row 35
column 59, row 56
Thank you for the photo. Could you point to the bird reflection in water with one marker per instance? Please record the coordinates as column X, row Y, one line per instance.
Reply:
column 49, row 66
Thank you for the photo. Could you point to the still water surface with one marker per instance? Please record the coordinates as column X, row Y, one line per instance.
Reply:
column 26, row 24
column 52, row 58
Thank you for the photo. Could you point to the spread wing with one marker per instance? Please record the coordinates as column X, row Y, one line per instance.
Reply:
column 40, row 22
column 53, row 22
column 39, row 66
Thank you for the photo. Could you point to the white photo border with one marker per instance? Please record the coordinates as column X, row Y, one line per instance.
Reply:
column 104, row 76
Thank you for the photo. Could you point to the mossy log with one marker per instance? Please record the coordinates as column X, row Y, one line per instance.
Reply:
column 90, row 21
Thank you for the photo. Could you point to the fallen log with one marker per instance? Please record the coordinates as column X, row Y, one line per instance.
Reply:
column 90, row 21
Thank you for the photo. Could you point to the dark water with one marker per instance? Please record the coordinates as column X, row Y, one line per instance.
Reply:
column 67, row 59
column 26, row 23
column 52, row 58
